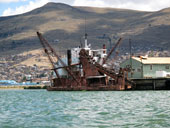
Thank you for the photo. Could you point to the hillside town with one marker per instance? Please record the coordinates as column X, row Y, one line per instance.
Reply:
column 13, row 68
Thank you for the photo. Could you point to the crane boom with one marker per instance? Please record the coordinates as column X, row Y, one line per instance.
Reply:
column 46, row 45
column 48, row 55
column 113, row 49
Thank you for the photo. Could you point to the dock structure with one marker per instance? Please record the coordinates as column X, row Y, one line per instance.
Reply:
column 152, row 84
column 149, row 73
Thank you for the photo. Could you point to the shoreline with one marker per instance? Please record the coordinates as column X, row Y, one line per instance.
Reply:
column 23, row 87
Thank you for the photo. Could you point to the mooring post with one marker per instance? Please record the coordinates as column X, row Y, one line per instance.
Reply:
column 154, row 84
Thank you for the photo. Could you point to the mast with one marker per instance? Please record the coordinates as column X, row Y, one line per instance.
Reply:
column 130, row 48
column 86, row 45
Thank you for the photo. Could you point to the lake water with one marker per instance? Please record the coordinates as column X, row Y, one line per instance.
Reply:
column 43, row 109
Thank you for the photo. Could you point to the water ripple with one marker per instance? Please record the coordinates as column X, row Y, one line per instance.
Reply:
column 43, row 109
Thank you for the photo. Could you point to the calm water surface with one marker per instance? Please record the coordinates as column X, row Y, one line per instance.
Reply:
column 43, row 109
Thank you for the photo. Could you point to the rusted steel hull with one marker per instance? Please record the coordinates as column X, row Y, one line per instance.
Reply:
column 86, row 85
column 84, row 88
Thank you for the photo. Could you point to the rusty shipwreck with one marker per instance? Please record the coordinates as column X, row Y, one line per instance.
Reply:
column 84, row 69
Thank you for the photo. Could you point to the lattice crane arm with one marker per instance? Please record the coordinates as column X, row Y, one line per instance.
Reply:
column 47, row 53
column 46, row 45
column 112, row 50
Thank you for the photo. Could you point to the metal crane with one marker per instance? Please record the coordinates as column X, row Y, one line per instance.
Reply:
column 112, row 50
column 47, row 47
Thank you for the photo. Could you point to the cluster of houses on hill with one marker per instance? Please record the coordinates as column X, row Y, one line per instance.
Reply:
column 12, row 69
column 141, row 67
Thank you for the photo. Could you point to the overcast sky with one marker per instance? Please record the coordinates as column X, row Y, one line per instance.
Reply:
column 12, row 7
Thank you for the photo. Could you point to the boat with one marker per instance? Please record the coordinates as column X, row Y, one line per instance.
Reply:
column 84, row 68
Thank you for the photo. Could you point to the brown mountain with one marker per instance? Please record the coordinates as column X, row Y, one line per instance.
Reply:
column 64, row 25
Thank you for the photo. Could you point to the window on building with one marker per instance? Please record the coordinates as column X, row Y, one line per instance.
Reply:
column 150, row 67
column 138, row 70
column 167, row 67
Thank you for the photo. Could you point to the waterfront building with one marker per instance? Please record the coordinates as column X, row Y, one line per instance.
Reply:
column 147, row 67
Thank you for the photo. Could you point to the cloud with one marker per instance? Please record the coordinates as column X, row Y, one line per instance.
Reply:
column 9, row 1
column 94, row 3
column 32, row 5
column 25, row 8
column 145, row 5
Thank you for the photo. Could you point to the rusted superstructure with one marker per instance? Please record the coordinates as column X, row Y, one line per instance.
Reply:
column 84, row 69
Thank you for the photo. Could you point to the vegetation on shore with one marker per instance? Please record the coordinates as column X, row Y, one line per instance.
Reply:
column 24, row 87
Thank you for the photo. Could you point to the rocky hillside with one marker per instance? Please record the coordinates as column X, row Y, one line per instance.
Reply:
column 64, row 27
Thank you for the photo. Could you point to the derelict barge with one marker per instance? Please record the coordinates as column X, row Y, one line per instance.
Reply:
column 84, row 69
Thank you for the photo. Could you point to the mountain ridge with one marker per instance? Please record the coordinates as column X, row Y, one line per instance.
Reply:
column 58, row 21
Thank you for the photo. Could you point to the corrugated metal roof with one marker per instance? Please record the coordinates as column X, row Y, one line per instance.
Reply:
column 153, row 60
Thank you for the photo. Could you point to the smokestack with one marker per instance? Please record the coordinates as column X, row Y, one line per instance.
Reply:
column 69, row 61
column 104, row 47
column 86, row 41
